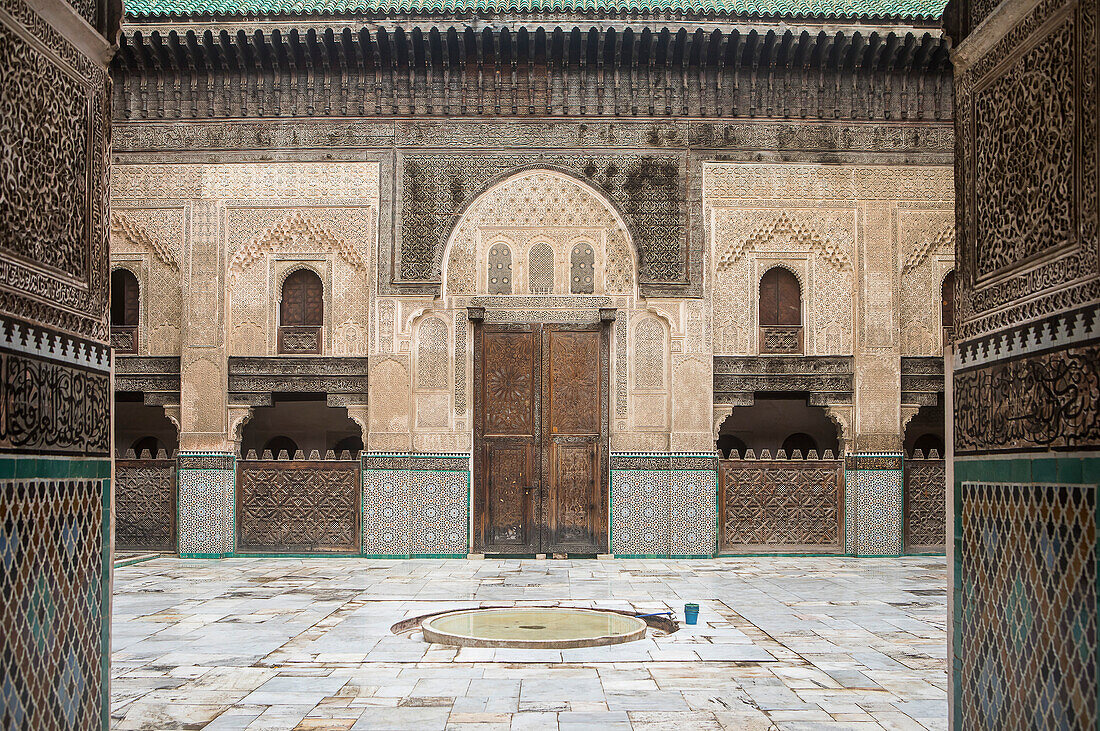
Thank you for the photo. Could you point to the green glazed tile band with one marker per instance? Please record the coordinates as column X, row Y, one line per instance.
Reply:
column 902, row 9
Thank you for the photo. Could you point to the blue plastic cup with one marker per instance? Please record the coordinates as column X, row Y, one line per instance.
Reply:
column 691, row 613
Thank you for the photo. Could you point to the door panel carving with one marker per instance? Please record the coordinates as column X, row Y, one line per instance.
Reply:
column 145, row 504
column 509, row 382
column 572, row 503
column 574, row 390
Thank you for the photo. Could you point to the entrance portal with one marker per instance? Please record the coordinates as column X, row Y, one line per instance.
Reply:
column 540, row 438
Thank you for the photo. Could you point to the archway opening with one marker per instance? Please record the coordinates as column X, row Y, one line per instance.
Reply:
column 143, row 429
column 125, row 311
column 927, row 430
column 300, row 422
column 776, row 422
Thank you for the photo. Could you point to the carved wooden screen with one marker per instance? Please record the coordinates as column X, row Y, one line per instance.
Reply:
column 780, row 312
column 925, row 505
column 301, row 313
column 125, row 311
column 781, row 506
column 145, row 504
column 540, row 269
column 298, row 505
column 540, row 439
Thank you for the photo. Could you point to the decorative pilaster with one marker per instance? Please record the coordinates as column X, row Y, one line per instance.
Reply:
column 207, row 516
column 873, row 503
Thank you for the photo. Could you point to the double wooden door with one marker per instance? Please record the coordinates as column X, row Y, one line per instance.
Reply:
column 540, row 438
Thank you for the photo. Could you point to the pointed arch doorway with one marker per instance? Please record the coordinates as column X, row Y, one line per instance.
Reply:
column 541, row 426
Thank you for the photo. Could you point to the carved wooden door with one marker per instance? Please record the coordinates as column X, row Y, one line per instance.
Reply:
column 540, row 437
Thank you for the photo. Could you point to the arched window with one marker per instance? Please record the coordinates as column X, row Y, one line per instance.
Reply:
column 799, row 441
column 780, row 312
column 582, row 262
column 500, row 269
column 540, row 269
column 301, row 313
column 351, row 444
column 928, row 443
column 280, row 444
column 125, row 311
column 947, row 308
column 728, row 444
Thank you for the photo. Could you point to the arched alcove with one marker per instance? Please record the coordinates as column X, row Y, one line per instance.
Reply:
column 305, row 422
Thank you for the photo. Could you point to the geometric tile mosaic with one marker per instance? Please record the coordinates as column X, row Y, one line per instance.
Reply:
column 420, row 508
column 1027, row 632
column 873, row 504
column 663, row 504
column 640, row 506
column 693, row 512
column 54, row 580
column 206, row 503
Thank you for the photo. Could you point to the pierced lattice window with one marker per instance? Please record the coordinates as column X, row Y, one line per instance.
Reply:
column 500, row 269
column 649, row 355
column 540, row 269
column 582, row 262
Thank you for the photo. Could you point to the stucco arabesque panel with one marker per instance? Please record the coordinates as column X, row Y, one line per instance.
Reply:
column 926, row 238
column 801, row 216
column 149, row 242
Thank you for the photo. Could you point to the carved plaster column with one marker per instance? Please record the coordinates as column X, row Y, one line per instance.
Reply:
column 873, row 495
column 207, row 474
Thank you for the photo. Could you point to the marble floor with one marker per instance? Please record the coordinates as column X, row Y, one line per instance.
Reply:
column 782, row 643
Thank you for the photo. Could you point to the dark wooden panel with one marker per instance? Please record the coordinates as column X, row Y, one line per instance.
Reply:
column 780, row 506
column 925, row 505
column 511, row 509
column 145, row 504
column 509, row 383
column 298, row 506
column 572, row 503
column 574, row 382
column 302, row 300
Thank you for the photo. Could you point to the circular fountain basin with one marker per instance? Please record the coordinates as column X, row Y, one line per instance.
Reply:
column 552, row 628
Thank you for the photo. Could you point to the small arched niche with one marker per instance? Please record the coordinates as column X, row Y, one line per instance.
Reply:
column 779, row 421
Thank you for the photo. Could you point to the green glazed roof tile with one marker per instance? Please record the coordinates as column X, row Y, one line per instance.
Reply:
column 928, row 9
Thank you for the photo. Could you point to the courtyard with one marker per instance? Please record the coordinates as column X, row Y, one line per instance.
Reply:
column 285, row 643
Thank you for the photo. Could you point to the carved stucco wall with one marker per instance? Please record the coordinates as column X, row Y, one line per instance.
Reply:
column 870, row 246
column 149, row 242
column 236, row 230
column 533, row 208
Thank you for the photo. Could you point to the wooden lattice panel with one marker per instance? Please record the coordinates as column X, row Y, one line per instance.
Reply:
column 779, row 506
column 292, row 506
column 925, row 505
column 145, row 504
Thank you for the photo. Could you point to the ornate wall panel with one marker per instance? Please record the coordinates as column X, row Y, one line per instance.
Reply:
column 1026, row 378
column 55, row 363
column 873, row 506
column 925, row 505
column 296, row 506
column 780, row 506
column 416, row 504
column 807, row 219
column 648, row 191
column 538, row 206
column 207, row 482
column 432, row 358
column 145, row 504
column 662, row 504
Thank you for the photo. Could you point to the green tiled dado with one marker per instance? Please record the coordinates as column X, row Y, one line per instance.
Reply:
column 906, row 9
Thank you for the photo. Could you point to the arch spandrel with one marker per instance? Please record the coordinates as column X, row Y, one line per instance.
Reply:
column 549, row 206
